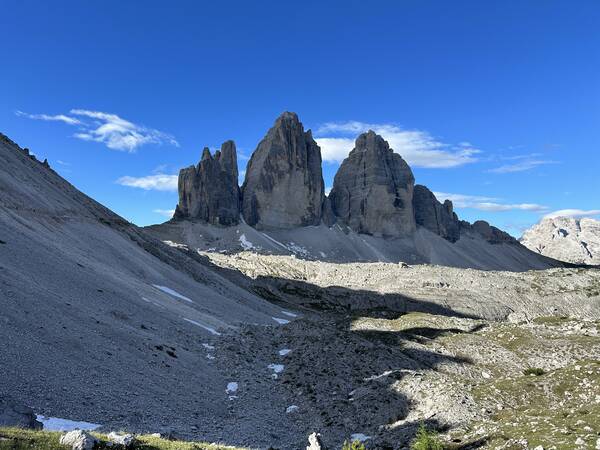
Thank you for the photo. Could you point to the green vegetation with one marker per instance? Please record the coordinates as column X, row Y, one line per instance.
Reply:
column 356, row 445
column 426, row 440
column 17, row 439
column 538, row 372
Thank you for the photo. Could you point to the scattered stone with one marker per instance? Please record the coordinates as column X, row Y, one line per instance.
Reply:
column 79, row 440
column 292, row 409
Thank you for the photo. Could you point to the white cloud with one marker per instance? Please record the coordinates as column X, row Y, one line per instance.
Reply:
column 50, row 118
column 573, row 213
column 159, row 182
column 164, row 212
column 110, row 129
column 418, row 148
column 521, row 166
column 487, row 203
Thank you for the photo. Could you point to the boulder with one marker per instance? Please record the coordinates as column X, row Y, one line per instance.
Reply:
column 78, row 440
column 373, row 189
column 13, row 414
column 125, row 440
column 284, row 183
column 436, row 217
column 209, row 192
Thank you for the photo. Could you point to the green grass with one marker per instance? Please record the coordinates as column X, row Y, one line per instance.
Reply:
column 426, row 440
column 18, row 439
column 356, row 445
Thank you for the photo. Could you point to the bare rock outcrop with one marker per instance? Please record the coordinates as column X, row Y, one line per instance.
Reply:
column 13, row 414
column 436, row 217
column 490, row 233
column 284, row 183
column 566, row 239
column 373, row 189
column 209, row 191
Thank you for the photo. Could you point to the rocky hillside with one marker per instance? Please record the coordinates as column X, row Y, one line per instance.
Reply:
column 566, row 239
column 374, row 211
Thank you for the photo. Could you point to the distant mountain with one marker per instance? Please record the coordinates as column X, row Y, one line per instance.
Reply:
column 374, row 212
column 566, row 239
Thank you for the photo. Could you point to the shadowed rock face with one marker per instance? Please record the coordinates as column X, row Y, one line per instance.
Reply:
column 372, row 191
column 490, row 233
column 209, row 191
column 436, row 217
column 284, row 182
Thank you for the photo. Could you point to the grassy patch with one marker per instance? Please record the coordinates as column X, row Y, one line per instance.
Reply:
column 356, row 445
column 426, row 440
column 538, row 372
column 17, row 439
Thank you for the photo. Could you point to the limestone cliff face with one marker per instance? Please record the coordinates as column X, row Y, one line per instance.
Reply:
column 436, row 217
column 373, row 189
column 209, row 191
column 284, row 183
column 566, row 239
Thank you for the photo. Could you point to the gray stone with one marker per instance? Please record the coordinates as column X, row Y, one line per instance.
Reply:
column 209, row 192
column 490, row 233
column 373, row 188
column 13, row 414
column 436, row 217
column 78, row 440
column 284, row 182
column 314, row 442
column 126, row 440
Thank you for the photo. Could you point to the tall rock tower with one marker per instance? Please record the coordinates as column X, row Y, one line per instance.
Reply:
column 284, row 183
column 209, row 192
column 373, row 189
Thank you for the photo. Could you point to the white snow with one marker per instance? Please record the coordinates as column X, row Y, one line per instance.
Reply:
column 210, row 357
column 170, row 291
column 359, row 437
column 245, row 243
column 274, row 241
column 231, row 387
column 280, row 321
column 176, row 245
column 58, row 424
column 209, row 329
column 277, row 368
column 291, row 409
column 284, row 351
column 323, row 255
column 208, row 346
column 289, row 314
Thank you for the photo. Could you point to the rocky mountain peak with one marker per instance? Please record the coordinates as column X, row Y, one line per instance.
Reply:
column 436, row 217
column 284, row 183
column 209, row 192
column 373, row 189
column 566, row 239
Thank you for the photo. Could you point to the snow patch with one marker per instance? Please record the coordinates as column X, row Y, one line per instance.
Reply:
column 58, row 424
column 289, row 314
column 277, row 368
column 292, row 409
column 280, row 321
column 360, row 437
column 176, row 245
column 245, row 243
column 284, row 351
column 232, row 387
column 208, row 346
column 170, row 291
column 209, row 329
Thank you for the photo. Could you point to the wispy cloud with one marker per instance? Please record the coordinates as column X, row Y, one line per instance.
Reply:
column 487, row 203
column 164, row 212
column 50, row 118
column 521, row 166
column 158, row 182
column 110, row 129
column 418, row 148
column 573, row 213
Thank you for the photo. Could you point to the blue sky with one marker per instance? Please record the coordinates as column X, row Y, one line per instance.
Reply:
column 495, row 104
